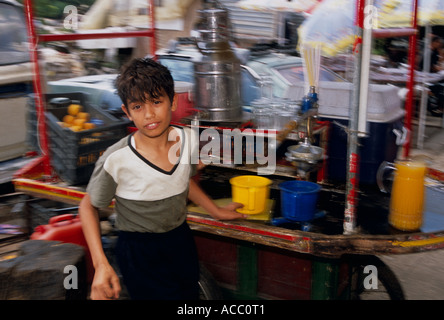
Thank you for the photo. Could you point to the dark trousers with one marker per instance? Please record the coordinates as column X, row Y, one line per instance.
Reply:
column 159, row 266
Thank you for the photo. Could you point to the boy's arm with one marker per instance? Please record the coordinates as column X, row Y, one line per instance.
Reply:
column 106, row 283
column 200, row 198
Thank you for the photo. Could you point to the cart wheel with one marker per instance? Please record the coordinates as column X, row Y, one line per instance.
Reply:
column 208, row 288
column 388, row 287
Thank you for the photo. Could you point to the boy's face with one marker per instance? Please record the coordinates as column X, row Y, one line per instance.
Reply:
column 152, row 117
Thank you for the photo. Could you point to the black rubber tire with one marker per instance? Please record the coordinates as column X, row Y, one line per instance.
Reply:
column 386, row 277
column 208, row 287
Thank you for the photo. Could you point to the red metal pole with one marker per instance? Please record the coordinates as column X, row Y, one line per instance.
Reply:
column 34, row 39
column 41, row 123
column 359, row 22
column 390, row 33
column 95, row 35
column 352, row 183
column 153, row 26
column 411, row 81
column 313, row 7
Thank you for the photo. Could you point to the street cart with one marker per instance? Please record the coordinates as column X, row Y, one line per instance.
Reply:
column 257, row 259
column 269, row 256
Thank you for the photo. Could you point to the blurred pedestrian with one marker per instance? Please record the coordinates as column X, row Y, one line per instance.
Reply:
column 440, row 64
column 435, row 46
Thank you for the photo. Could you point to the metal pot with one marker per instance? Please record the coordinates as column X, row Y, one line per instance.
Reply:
column 218, row 72
column 218, row 88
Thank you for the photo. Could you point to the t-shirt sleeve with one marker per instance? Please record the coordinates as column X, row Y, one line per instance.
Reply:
column 101, row 186
column 193, row 170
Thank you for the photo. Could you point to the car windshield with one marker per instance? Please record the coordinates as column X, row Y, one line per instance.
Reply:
column 295, row 74
column 182, row 69
column 13, row 36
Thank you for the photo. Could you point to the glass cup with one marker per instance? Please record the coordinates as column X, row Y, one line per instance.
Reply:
column 282, row 114
column 262, row 117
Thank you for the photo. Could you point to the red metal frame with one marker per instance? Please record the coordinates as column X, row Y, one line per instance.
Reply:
column 41, row 124
column 412, row 34
column 35, row 39
column 29, row 180
column 353, row 160
column 411, row 82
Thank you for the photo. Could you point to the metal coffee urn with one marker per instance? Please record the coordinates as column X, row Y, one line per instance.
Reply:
column 217, row 72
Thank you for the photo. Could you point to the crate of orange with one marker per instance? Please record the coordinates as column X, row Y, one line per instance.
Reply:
column 78, row 134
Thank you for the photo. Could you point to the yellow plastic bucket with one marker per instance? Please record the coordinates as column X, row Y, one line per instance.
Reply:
column 252, row 191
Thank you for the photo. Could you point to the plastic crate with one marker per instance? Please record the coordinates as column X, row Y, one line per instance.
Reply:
column 52, row 101
column 74, row 154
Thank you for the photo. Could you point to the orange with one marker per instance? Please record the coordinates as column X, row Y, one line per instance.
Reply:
column 74, row 109
column 78, row 122
column 76, row 128
column 68, row 119
column 88, row 125
column 83, row 115
column 64, row 124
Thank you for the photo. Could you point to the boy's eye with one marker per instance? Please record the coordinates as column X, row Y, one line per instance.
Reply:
column 136, row 107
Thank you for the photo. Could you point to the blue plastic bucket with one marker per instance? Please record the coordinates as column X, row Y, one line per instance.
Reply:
column 298, row 199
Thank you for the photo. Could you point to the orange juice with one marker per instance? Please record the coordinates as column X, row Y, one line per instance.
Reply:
column 407, row 199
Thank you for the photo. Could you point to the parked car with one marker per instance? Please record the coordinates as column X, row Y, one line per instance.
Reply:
column 284, row 69
column 100, row 89
column 15, row 80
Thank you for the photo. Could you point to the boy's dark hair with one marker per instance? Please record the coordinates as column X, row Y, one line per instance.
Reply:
column 141, row 77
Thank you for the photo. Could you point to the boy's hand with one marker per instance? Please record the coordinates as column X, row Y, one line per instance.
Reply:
column 106, row 284
column 229, row 212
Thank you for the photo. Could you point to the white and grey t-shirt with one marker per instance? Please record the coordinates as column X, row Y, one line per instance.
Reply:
column 147, row 198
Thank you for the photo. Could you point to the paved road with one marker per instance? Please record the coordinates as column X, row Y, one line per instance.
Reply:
column 421, row 275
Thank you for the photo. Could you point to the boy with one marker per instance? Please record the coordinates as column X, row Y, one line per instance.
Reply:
column 149, row 175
